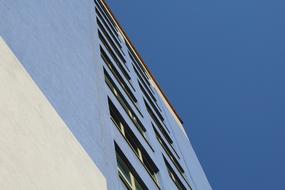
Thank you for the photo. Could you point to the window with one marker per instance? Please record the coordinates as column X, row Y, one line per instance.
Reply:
column 107, row 36
column 107, row 17
column 154, row 105
column 161, row 126
column 144, row 84
column 161, row 121
column 134, row 143
column 168, row 152
column 125, row 105
column 126, row 172
column 120, row 96
column 148, row 94
column 137, row 62
column 174, row 177
column 117, row 61
column 141, row 74
column 116, row 39
column 116, row 73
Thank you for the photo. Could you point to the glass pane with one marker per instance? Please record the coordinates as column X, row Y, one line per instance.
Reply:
column 124, row 186
column 124, row 169
column 138, row 186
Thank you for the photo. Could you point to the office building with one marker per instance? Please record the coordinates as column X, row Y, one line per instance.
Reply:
column 79, row 108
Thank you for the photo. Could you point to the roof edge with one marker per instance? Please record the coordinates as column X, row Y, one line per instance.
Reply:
column 141, row 60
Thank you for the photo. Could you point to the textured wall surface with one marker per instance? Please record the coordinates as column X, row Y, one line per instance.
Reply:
column 57, row 43
column 37, row 149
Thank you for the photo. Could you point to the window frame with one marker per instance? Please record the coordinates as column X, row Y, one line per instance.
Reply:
column 134, row 143
column 174, row 177
column 134, row 177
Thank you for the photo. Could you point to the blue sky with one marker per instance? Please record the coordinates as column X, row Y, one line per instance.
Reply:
column 222, row 64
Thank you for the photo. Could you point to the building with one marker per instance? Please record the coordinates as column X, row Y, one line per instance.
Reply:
column 80, row 109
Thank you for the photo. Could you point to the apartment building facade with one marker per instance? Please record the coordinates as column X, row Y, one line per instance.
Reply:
column 80, row 109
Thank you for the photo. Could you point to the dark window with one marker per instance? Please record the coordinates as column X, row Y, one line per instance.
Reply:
column 137, row 62
column 174, row 177
column 168, row 151
column 117, row 50
column 158, row 123
column 125, row 105
column 133, row 142
column 120, row 96
column 127, row 173
column 120, row 79
column 108, row 28
column 154, row 105
column 144, row 84
column 141, row 74
column 117, row 61
column 107, row 17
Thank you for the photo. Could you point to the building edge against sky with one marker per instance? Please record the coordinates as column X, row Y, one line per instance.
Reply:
column 80, row 108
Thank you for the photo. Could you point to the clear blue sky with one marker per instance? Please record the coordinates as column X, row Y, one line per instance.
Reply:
column 222, row 64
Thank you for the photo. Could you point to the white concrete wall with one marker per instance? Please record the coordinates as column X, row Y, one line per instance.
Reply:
column 37, row 150
column 57, row 43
